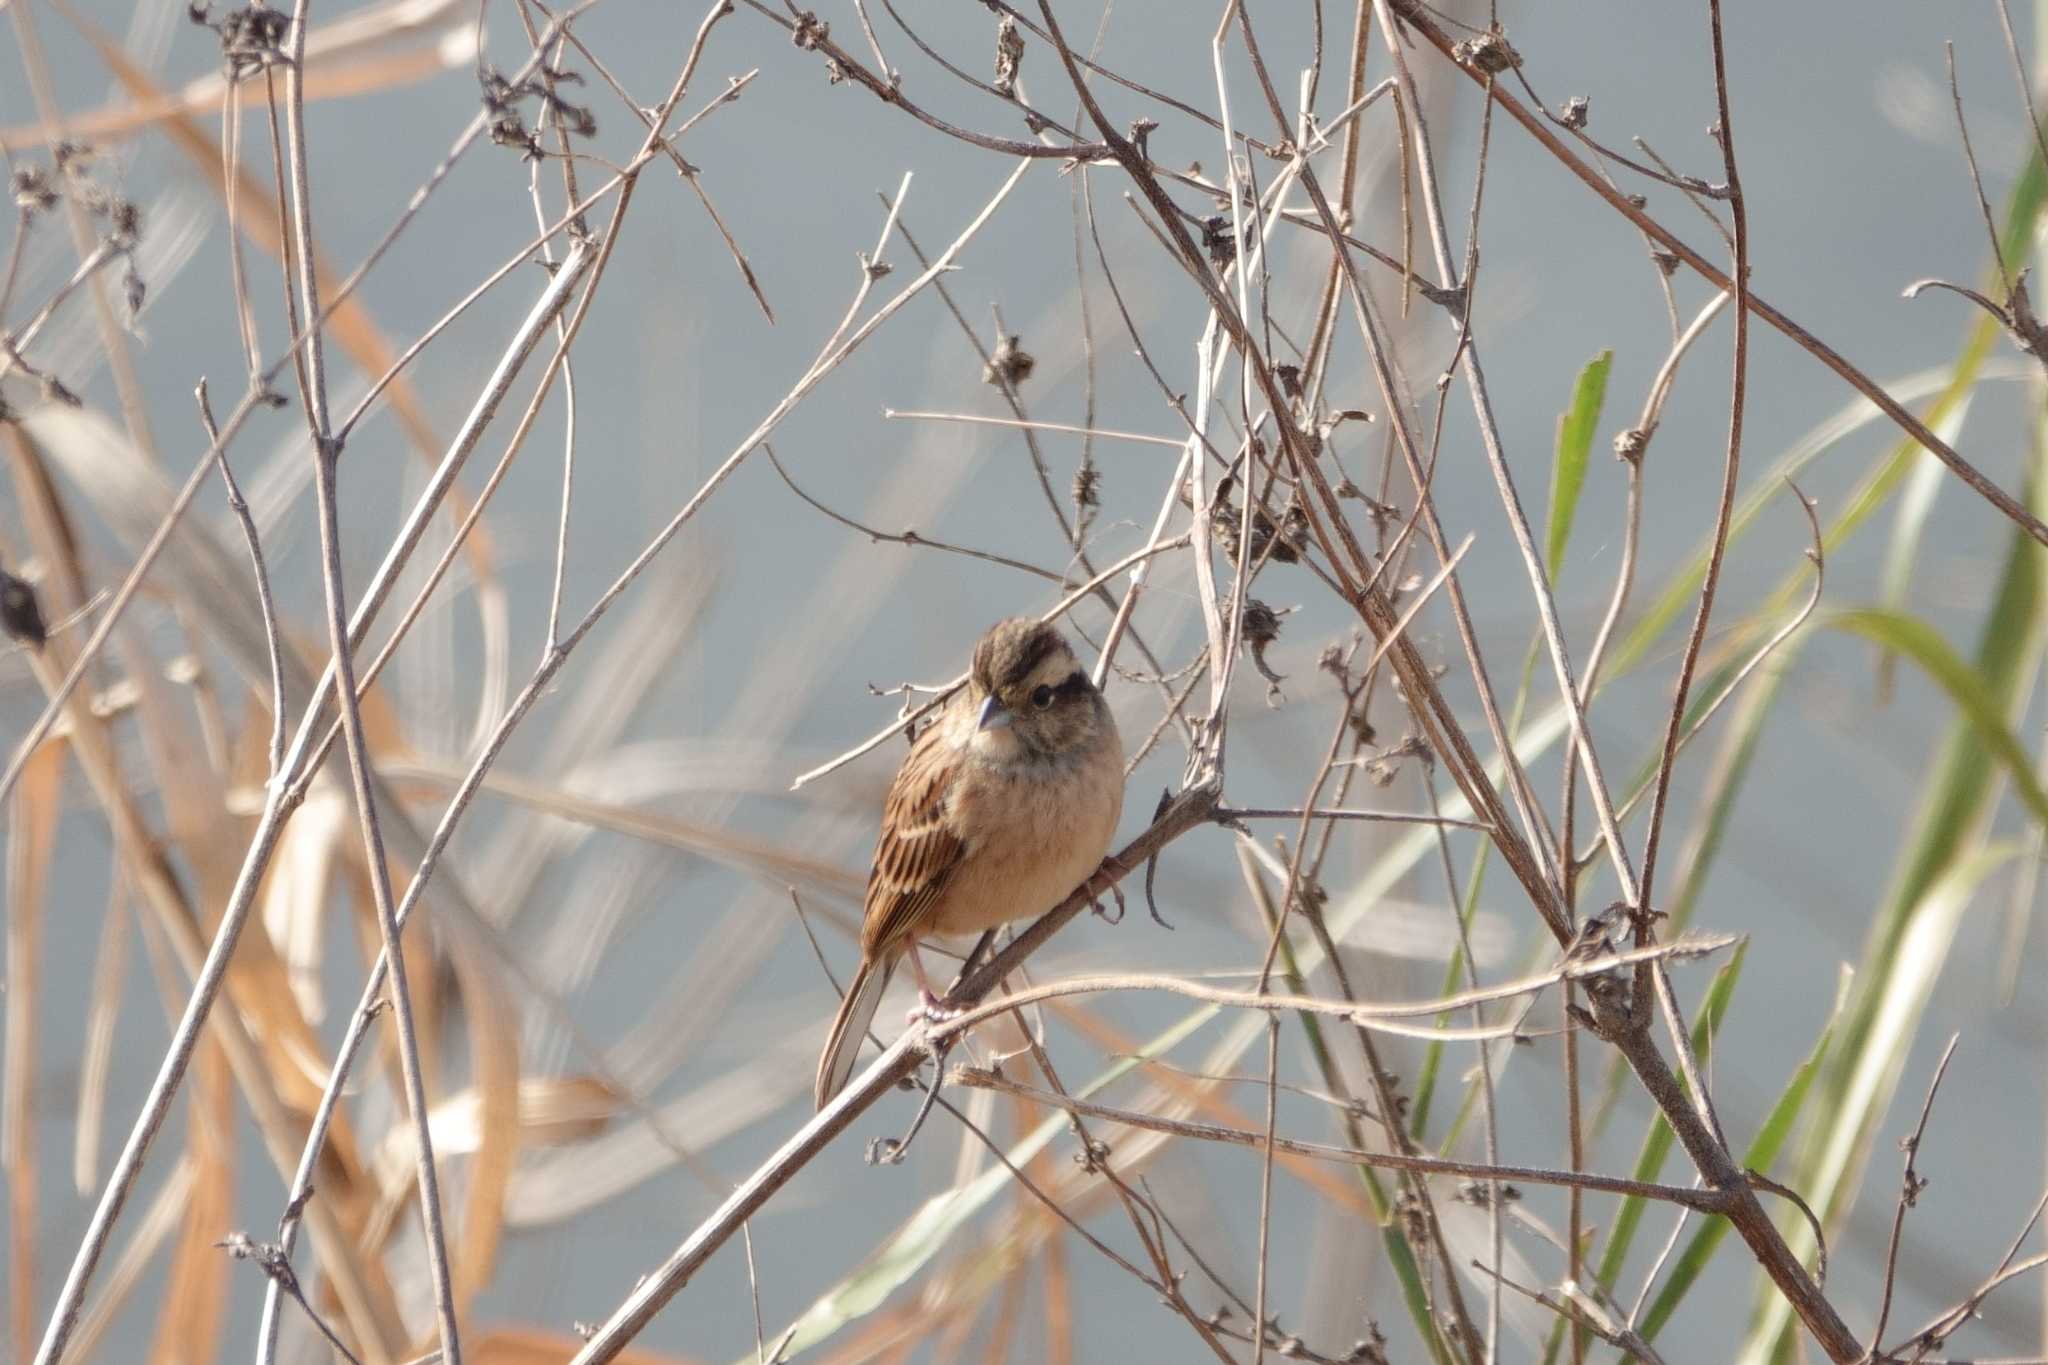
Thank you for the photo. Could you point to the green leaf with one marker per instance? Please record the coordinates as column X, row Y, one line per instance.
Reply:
column 1575, row 429
column 1941, row 863
column 1854, row 1100
column 1970, row 690
column 1909, row 526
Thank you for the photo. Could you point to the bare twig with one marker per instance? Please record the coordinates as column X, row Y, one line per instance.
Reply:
column 1730, row 467
column 326, row 452
column 1912, row 1183
column 265, row 603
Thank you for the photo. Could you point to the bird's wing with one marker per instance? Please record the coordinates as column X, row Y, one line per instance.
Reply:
column 917, row 854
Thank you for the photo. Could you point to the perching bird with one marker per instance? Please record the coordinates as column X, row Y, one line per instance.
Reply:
column 1005, row 804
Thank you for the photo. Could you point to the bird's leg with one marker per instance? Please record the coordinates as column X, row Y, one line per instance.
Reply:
column 931, row 1006
column 1105, row 878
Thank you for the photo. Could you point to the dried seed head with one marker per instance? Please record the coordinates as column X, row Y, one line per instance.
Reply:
column 1219, row 241
column 1009, row 56
column 20, row 615
column 1088, row 486
column 1489, row 53
column 810, row 31
column 1010, row 366
column 32, row 190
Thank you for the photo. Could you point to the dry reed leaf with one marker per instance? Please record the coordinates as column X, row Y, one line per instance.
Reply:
column 424, row 977
column 103, row 1012
column 493, row 1019
column 56, row 539
column 569, row 1180
column 554, row 1111
column 138, row 1252
column 375, row 48
column 634, row 656
column 195, row 1300
column 32, row 817
column 1175, row 1095
column 348, row 322
column 295, row 895
column 536, row 1346
column 772, row 861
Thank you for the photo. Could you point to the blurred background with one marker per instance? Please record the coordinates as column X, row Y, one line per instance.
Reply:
column 635, row 851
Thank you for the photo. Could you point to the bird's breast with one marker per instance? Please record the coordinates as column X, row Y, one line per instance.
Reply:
column 1033, row 833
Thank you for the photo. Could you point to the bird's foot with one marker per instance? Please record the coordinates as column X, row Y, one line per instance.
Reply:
column 930, row 1009
column 1106, row 878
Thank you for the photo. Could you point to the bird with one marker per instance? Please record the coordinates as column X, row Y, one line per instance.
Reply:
column 1005, row 804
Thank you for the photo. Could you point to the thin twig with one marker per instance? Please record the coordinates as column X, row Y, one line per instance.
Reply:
column 326, row 453
column 1702, row 1200
column 264, row 602
column 1421, row 22
column 1911, row 1184
column 1731, row 466
column 1384, row 1017
column 879, row 1079
column 1065, row 604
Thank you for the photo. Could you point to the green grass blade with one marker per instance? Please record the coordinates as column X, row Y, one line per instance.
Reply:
column 1763, row 1151
column 1576, row 427
column 1856, row 1098
column 1941, row 863
column 1973, row 694
column 901, row 1256
column 1909, row 523
column 1657, row 1142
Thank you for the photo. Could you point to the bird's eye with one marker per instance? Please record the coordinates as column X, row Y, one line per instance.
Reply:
column 1041, row 696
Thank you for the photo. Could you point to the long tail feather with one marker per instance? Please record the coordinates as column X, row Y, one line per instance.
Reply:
column 850, row 1027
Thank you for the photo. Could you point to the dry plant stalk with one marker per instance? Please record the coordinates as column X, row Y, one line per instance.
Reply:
column 470, row 1037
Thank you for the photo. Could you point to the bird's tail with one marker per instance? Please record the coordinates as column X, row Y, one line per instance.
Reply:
column 850, row 1027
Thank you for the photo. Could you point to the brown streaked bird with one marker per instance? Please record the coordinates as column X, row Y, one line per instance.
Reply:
column 1005, row 804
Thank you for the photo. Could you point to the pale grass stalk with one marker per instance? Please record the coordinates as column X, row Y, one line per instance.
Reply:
column 1066, row 427
column 326, row 454
column 1518, row 521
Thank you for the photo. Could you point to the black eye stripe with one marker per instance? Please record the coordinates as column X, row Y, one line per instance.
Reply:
column 1076, row 685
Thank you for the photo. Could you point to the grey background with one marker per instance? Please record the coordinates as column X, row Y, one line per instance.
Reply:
column 1856, row 187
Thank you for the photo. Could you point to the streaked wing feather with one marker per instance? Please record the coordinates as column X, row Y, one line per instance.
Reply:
column 916, row 855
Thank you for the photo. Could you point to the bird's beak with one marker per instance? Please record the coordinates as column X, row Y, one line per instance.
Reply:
column 993, row 716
